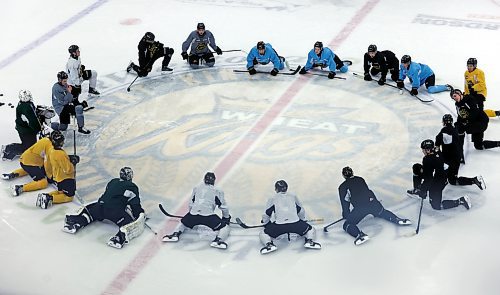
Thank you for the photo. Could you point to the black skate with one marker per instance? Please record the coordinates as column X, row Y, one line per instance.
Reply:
column 44, row 201
column 361, row 238
column 71, row 228
column 465, row 201
column 130, row 67
column 403, row 221
column 83, row 130
column 218, row 243
column 93, row 91
column 479, row 181
column 166, row 69
column 310, row 244
column 16, row 190
column 9, row 176
column 117, row 241
column 270, row 247
column 174, row 237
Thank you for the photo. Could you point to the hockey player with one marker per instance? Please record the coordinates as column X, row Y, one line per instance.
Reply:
column 419, row 74
column 449, row 143
column 33, row 164
column 354, row 191
column 375, row 62
column 323, row 57
column 471, row 119
column 199, row 41
column 475, row 83
column 205, row 198
column 60, row 168
column 290, row 217
column 429, row 178
column 77, row 73
column 149, row 51
column 64, row 105
column 27, row 124
column 121, row 195
column 264, row 53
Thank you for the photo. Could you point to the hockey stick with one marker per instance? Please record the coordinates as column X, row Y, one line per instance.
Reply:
column 230, row 50
column 326, row 75
column 128, row 88
column 149, row 227
column 244, row 225
column 177, row 216
column 295, row 71
column 325, row 229
column 417, row 230
column 77, row 195
column 374, row 80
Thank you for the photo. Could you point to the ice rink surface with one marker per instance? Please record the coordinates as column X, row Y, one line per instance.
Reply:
column 252, row 131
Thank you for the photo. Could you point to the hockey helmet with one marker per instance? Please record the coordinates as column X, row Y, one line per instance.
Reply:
column 25, row 96
column 372, row 48
column 427, row 144
column 200, row 26
column 209, row 178
column 447, row 119
column 62, row 75
column 149, row 37
column 405, row 59
column 73, row 48
column 455, row 91
column 57, row 139
column 347, row 172
column 319, row 44
column 261, row 45
column 126, row 173
column 281, row 186
column 472, row 62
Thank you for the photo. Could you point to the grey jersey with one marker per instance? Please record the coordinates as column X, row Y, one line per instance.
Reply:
column 205, row 199
column 199, row 44
column 60, row 97
column 286, row 208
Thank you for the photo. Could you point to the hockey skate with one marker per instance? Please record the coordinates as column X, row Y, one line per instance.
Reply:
column 361, row 238
column 83, row 130
column 71, row 228
column 130, row 67
column 403, row 221
column 310, row 244
column 9, row 176
column 93, row 91
column 218, row 243
column 166, row 69
column 413, row 193
column 117, row 241
column 465, row 201
column 16, row 190
column 174, row 237
column 479, row 181
column 44, row 201
column 270, row 247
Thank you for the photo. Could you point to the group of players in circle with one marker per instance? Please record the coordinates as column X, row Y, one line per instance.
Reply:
column 45, row 160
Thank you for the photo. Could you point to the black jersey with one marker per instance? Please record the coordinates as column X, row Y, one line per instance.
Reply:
column 434, row 174
column 120, row 193
column 355, row 191
column 382, row 61
column 449, row 142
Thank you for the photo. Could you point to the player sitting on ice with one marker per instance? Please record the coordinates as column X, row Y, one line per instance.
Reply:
column 199, row 41
column 324, row 57
column 289, row 217
column 354, row 191
column 264, row 53
column 205, row 198
column 121, row 195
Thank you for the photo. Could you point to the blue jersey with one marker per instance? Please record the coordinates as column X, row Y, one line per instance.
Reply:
column 324, row 60
column 268, row 56
column 417, row 72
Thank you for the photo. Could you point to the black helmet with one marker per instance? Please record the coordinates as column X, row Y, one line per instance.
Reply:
column 318, row 44
column 200, row 26
column 261, row 45
column 427, row 144
column 62, row 75
column 447, row 119
column 281, row 186
column 57, row 139
column 405, row 59
column 73, row 48
column 457, row 91
column 149, row 37
column 126, row 173
column 347, row 172
column 210, row 178
column 472, row 61
column 372, row 48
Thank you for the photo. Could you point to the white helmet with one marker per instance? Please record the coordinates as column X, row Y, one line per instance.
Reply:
column 25, row 95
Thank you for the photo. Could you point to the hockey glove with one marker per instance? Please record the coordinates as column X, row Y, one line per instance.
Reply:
column 331, row 75
column 226, row 220
column 85, row 104
column 274, row 72
column 303, row 71
column 74, row 159
column 218, row 50
column 252, row 71
column 381, row 81
column 400, row 84
column 184, row 55
column 414, row 91
column 368, row 77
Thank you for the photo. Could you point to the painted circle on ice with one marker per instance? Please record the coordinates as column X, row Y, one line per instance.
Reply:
column 130, row 21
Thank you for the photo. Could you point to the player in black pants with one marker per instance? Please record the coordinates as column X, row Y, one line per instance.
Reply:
column 375, row 62
column 354, row 191
column 149, row 51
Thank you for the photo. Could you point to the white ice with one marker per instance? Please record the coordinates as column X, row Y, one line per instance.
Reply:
column 455, row 252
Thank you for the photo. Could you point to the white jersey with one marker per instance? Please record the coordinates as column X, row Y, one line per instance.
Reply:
column 286, row 208
column 205, row 199
column 74, row 73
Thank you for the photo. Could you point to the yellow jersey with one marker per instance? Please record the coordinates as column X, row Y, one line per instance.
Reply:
column 478, row 81
column 59, row 166
column 37, row 153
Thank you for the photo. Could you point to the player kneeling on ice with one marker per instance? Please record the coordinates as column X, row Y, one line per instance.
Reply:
column 290, row 217
column 149, row 51
column 205, row 198
column 419, row 74
column 199, row 41
column 354, row 191
column 324, row 57
column 120, row 197
column 264, row 53
column 60, row 169
column 375, row 62
column 33, row 162
column 430, row 177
